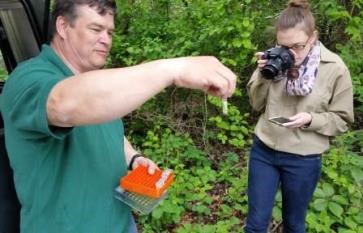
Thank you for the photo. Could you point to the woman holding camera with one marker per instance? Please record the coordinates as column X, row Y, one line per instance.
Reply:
column 316, row 97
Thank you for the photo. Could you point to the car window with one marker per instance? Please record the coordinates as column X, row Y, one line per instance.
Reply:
column 17, row 30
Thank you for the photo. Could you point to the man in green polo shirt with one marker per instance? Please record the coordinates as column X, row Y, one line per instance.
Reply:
column 62, row 113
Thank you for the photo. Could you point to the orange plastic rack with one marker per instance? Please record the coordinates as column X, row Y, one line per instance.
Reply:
column 141, row 182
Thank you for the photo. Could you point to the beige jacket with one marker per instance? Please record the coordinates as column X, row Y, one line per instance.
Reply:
column 330, row 104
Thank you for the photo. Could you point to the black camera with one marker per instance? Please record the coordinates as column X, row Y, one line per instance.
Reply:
column 279, row 59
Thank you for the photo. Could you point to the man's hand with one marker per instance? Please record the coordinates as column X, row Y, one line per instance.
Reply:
column 203, row 73
column 146, row 163
column 302, row 119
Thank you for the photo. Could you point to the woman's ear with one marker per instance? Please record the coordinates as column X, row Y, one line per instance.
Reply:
column 315, row 36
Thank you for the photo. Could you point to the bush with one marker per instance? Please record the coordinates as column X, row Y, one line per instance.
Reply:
column 186, row 131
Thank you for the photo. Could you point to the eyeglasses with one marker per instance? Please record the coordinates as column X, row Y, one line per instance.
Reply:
column 295, row 47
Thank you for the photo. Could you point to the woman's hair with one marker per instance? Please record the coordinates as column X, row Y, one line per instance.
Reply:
column 296, row 13
column 68, row 8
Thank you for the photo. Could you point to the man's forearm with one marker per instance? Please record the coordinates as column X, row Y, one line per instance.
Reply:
column 104, row 95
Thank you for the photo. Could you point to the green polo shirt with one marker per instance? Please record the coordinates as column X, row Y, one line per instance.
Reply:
column 64, row 177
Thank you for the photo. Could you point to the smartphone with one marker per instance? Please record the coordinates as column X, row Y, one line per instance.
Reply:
column 279, row 120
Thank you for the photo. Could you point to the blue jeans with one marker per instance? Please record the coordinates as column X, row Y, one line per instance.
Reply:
column 133, row 227
column 297, row 175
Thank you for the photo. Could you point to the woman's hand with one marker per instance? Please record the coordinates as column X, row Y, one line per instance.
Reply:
column 302, row 119
column 260, row 61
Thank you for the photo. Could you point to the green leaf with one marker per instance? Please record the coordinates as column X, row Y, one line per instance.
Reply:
column 201, row 209
column 157, row 213
column 357, row 174
column 359, row 218
column 247, row 44
column 237, row 43
column 276, row 213
column 340, row 199
column 342, row 230
column 336, row 209
column 246, row 23
column 320, row 204
column 319, row 193
column 349, row 222
column 328, row 189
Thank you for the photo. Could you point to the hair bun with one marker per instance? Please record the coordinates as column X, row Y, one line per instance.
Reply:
column 299, row 3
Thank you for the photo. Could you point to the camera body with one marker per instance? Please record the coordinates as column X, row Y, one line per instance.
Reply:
column 279, row 59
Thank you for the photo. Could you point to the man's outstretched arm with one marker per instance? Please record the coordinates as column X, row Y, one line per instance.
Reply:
column 103, row 95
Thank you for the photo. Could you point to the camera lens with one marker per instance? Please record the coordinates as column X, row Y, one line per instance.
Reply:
column 269, row 72
column 272, row 68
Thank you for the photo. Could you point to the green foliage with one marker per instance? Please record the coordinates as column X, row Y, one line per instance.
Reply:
column 354, row 59
column 204, row 191
column 186, row 130
column 179, row 28
column 338, row 199
column 220, row 227
column 195, row 188
column 341, row 24
column 3, row 74
column 232, row 129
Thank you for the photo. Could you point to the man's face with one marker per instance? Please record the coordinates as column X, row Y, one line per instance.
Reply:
column 89, row 39
column 298, row 41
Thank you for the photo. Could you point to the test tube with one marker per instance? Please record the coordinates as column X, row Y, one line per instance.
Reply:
column 224, row 106
column 164, row 176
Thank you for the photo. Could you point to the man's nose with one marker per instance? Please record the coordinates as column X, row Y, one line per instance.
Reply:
column 105, row 38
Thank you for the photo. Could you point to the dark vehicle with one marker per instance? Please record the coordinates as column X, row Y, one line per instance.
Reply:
column 24, row 27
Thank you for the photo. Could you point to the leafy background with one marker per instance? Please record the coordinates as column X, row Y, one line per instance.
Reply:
column 186, row 131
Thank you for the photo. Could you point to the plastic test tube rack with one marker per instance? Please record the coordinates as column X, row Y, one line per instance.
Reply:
column 142, row 191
